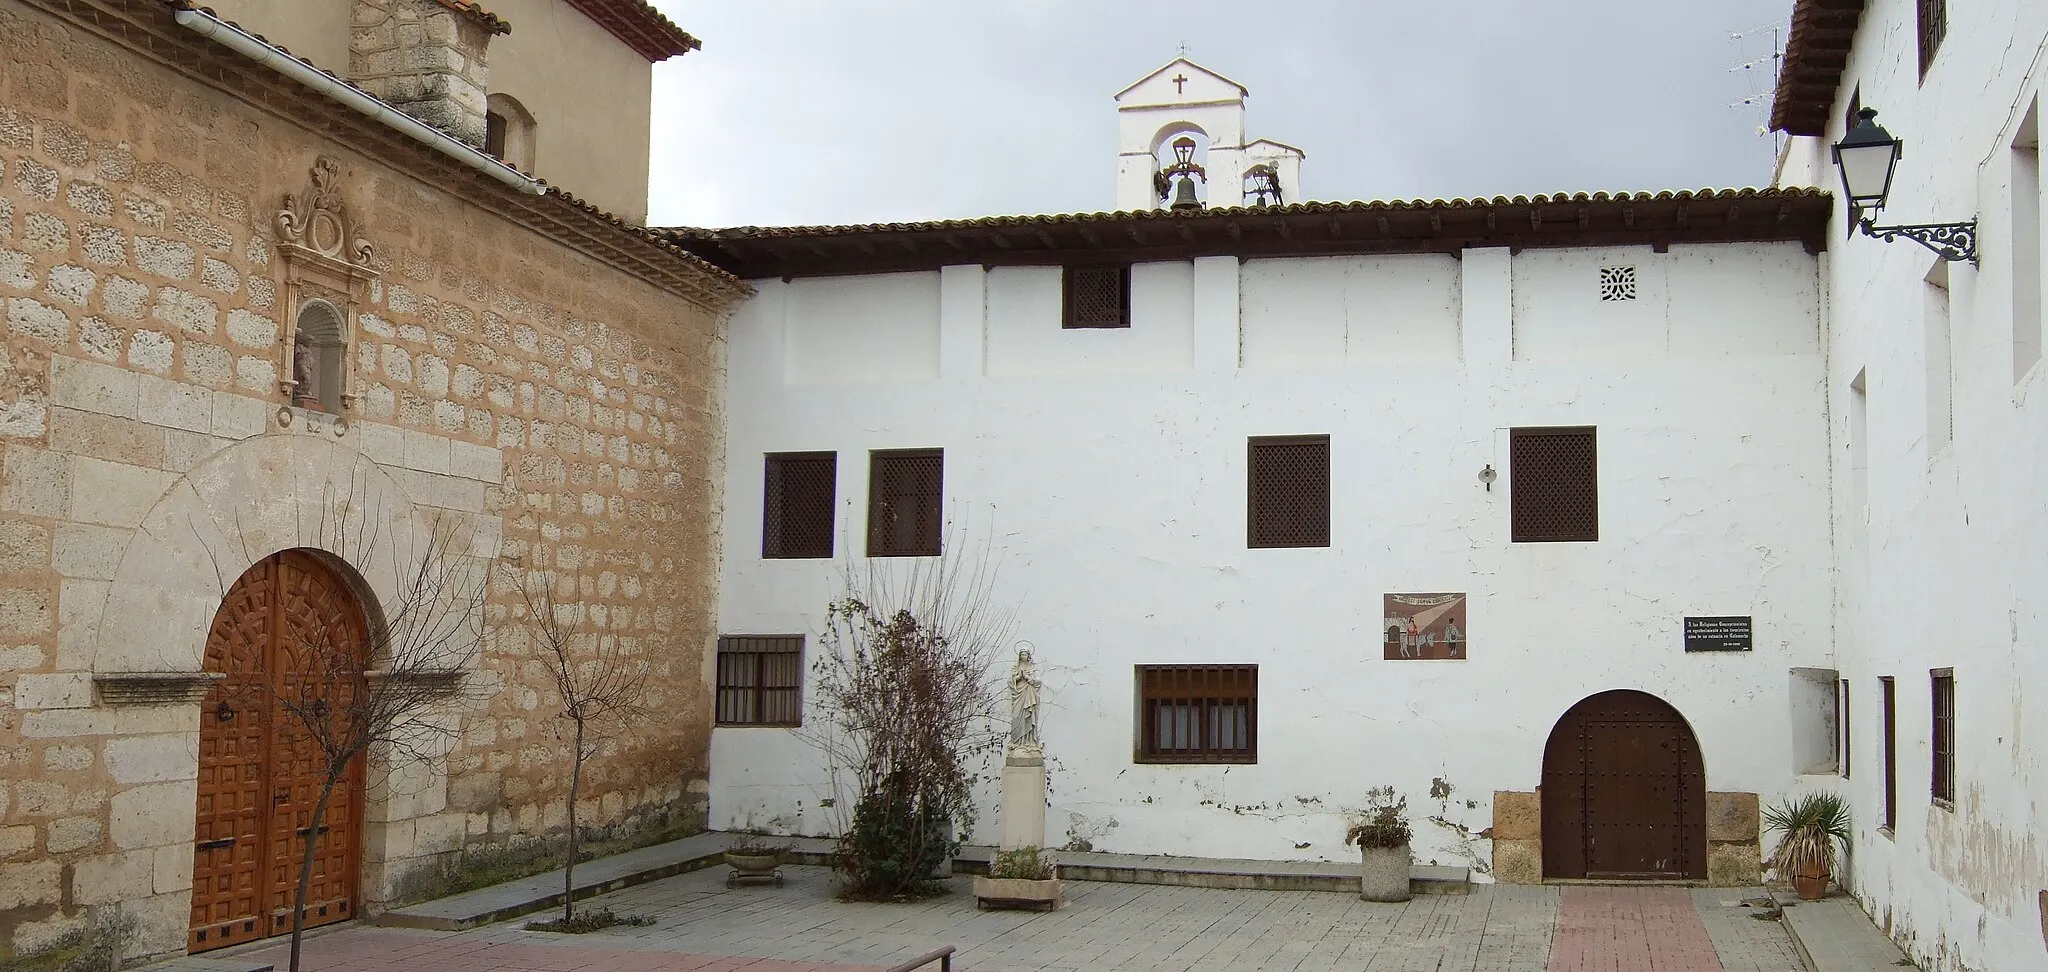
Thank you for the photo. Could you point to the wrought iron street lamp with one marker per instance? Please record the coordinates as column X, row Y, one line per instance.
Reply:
column 1867, row 156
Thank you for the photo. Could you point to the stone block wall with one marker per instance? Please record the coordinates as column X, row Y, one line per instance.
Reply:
column 563, row 411
column 424, row 58
column 1732, row 839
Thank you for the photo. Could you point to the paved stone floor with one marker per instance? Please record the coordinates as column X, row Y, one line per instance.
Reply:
column 703, row 927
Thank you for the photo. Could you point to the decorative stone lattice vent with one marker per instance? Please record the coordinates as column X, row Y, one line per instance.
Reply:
column 1617, row 283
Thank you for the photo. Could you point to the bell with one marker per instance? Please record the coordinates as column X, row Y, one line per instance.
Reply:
column 1184, row 195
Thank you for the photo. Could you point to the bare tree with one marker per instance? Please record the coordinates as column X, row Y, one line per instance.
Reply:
column 905, row 701
column 598, row 683
column 354, row 685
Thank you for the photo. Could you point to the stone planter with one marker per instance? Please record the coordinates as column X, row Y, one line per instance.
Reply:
column 1016, row 893
column 1384, row 874
column 753, row 867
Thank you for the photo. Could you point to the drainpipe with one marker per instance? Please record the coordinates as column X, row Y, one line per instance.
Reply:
column 249, row 45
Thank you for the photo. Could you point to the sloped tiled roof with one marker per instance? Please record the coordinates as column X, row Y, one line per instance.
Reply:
column 490, row 21
column 1302, row 229
column 640, row 26
column 1816, row 53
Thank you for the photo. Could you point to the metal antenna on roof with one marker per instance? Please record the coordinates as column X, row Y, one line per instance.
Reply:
column 1183, row 48
column 1759, row 78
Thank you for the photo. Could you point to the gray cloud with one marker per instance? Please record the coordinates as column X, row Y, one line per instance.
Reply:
column 805, row 111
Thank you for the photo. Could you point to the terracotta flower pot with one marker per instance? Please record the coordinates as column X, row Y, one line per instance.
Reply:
column 1811, row 887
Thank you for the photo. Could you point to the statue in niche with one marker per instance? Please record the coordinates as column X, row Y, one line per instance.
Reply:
column 305, row 369
column 1024, row 686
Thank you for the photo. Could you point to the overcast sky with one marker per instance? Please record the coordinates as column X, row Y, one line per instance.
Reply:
column 857, row 111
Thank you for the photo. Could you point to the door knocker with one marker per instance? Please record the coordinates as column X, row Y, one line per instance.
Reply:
column 224, row 712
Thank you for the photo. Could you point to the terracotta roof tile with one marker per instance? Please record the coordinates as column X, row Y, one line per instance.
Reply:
column 491, row 22
column 642, row 27
column 1303, row 229
column 1815, row 55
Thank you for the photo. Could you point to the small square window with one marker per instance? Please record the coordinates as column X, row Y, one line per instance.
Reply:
column 1555, row 485
column 1096, row 297
column 1198, row 714
column 797, row 500
column 1288, row 486
column 906, row 488
column 760, row 679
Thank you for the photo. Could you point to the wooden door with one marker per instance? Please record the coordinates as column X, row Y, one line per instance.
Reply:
column 1624, row 792
column 259, row 771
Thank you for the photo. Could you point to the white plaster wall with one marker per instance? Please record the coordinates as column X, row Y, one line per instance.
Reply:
column 1117, row 503
column 1331, row 312
column 855, row 329
column 1945, row 566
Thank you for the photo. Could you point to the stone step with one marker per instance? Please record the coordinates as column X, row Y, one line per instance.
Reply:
column 1834, row 935
column 528, row 895
column 200, row 963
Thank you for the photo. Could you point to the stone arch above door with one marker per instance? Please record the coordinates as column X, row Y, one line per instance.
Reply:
column 244, row 503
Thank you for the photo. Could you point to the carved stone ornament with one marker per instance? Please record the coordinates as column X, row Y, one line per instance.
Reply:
column 318, row 220
column 154, row 688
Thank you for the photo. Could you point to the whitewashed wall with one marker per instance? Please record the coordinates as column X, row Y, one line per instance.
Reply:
column 1107, row 468
column 1946, row 564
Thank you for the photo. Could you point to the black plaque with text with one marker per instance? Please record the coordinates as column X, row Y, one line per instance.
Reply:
column 1717, row 634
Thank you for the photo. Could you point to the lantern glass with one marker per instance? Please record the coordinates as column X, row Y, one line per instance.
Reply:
column 1867, row 157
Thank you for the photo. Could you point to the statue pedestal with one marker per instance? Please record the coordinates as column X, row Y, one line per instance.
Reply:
column 1023, row 798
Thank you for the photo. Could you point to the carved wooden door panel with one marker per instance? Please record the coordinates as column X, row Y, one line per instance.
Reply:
column 1624, row 792
column 286, row 632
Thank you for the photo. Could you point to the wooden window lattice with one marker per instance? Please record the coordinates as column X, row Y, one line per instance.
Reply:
column 1097, row 297
column 1555, row 494
column 1198, row 713
column 1933, row 24
column 1944, row 783
column 905, row 488
column 759, row 680
column 797, row 496
column 1288, row 487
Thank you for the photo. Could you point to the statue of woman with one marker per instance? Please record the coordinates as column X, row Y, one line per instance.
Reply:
column 1024, row 685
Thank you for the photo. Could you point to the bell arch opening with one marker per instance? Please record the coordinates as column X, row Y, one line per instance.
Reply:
column 1624, row 792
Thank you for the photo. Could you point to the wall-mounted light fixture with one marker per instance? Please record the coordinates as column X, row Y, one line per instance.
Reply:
column 1487, row 476
column 1867, row 155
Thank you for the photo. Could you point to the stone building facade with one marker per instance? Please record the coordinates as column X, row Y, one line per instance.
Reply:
column 519, row 368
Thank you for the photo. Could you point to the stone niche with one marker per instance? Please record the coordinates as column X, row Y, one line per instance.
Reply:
column 426, row 59
column 1733, row 843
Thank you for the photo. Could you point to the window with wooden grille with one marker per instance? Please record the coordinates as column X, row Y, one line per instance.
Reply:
column 1933, row 17
column 1198, row 714
column 1096, row 297
column 905, row 487
column 1555, row 485
column 796, row 504
column 1944, row 783
column 1288, row 491
column 1888, row 700
column 1843, row 721
column 760, row 679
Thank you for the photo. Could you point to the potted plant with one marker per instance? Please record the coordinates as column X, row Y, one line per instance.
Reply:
column 1811, row 826
column 754, row 857
column 1381, row 833
column 1017, row 879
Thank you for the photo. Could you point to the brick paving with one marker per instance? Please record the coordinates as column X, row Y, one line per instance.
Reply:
column 701, row 926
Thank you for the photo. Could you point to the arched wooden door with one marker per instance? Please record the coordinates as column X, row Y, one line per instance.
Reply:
column 1624, row 792
column 290, row 630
